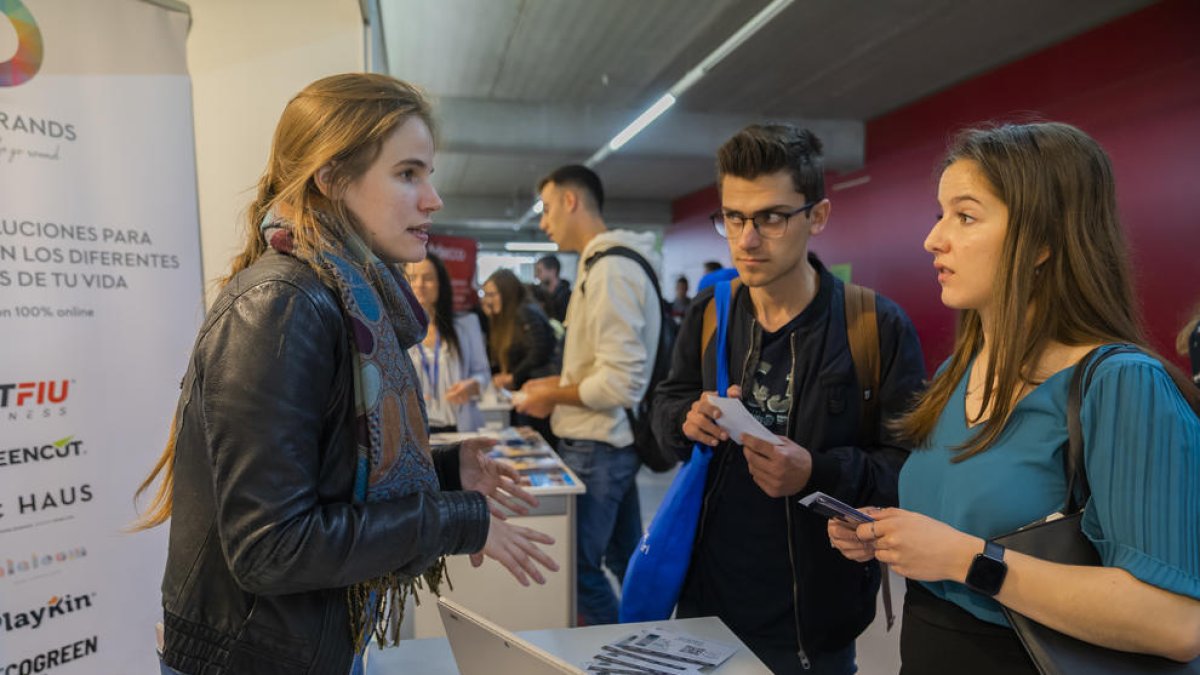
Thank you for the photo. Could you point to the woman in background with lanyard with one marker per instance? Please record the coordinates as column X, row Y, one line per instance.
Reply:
column 453, row 361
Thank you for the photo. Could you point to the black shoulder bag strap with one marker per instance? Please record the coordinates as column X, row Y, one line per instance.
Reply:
column 1078, row 489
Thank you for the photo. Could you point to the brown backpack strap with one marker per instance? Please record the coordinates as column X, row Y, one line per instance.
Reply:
column 708, row 327
column 862, row 330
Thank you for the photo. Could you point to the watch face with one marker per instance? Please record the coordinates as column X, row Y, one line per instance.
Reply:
column 986, row 575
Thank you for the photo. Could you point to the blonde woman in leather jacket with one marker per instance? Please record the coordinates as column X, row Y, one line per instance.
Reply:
column 304, row 498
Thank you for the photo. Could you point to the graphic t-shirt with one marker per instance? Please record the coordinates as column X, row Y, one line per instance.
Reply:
column 745, row 519
column 770, row 397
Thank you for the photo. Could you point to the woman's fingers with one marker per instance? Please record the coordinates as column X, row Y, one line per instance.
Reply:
column 845, row 540
column 516, row 548
column 510, row 504
column 513, row 487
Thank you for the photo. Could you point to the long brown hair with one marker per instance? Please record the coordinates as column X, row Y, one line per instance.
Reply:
column 503, row 326
column 1185, row 334
column 341, row 122
column 1057, row 183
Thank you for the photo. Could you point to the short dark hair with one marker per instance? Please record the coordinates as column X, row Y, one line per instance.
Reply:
column 762, row 149
column 550, row 262
column 712, row 266
column 577, row 175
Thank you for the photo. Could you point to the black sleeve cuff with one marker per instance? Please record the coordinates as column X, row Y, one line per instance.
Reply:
column 446, row 463
column 826, row 474
column 465, row 521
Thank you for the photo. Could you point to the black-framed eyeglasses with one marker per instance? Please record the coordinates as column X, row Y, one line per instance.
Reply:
column 768, row 224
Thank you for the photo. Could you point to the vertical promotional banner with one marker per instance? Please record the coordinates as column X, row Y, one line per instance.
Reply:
column 459, row 255
column 100, row 299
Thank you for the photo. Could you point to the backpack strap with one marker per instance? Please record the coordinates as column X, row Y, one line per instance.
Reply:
column 624, row 252
column 862, row 331
column 708, row 325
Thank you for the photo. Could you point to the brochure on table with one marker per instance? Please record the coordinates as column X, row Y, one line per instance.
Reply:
column 525, row 449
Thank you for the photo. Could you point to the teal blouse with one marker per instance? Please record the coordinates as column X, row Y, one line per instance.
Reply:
column 1142, row 456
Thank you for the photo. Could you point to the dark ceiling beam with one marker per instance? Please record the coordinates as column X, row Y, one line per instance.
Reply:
column 477, row 126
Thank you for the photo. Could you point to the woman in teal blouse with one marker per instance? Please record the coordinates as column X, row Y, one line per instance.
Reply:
column 1030, row 249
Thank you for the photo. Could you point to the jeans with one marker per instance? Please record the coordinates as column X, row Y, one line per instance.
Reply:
column 608, row 522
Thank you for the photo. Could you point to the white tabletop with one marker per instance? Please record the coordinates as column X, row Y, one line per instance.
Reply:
column 432, row 656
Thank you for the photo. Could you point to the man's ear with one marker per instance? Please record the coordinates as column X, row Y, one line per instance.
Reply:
column 322, row 179
column 820, row 216
column 570, row 200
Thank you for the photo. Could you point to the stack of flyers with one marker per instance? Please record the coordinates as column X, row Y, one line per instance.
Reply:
column 532, row 462
column 548, row 477
column 658, row 652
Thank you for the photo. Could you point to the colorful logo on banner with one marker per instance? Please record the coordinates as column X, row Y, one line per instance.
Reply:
column 28, row 60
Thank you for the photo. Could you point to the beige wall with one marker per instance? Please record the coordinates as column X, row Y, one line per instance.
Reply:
column 247, row 58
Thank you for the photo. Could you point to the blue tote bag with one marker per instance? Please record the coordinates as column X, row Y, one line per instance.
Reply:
column 658, row 567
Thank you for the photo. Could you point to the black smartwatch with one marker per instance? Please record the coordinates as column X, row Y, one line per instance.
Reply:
column 988, row 569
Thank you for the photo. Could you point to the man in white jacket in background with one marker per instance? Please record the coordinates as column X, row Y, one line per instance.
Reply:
column 613, row 323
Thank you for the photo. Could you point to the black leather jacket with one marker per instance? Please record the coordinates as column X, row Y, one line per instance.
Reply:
column 264, row 537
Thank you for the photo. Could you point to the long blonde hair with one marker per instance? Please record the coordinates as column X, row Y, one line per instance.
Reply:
column 341, row 122
column 1057, row 183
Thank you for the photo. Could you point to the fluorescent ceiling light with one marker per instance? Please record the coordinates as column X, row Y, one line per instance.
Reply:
column 531, row 246
column 635, row 127
column 726, row 48
column 537, row 207
column 668, row 99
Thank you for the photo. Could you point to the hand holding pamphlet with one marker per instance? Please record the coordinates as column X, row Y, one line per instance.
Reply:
column 737, row 420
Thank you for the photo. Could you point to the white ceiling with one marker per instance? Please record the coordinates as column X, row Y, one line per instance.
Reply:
column 524, row 86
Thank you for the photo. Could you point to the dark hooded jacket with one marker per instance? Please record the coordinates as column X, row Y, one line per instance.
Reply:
column 764, row 565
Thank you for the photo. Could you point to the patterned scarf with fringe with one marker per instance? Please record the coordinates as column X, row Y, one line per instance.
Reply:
column 391, row 424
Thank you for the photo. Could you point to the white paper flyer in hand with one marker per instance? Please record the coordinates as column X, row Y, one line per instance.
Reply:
column 659, row 652
column 737, row 420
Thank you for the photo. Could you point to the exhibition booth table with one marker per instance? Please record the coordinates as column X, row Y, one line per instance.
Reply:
column 490, row 588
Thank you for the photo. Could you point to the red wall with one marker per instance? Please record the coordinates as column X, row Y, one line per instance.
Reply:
column 1133, row 84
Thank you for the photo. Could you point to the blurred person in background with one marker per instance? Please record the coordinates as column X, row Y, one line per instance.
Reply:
column 680, row 304
column 520, row 340
column 546, row 270
column 452, row 359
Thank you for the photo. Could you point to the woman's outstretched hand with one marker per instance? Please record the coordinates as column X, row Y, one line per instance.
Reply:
column 498, row 481
column 517, row 549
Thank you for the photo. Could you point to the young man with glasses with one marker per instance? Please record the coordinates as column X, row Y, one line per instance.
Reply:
column 762, row 562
